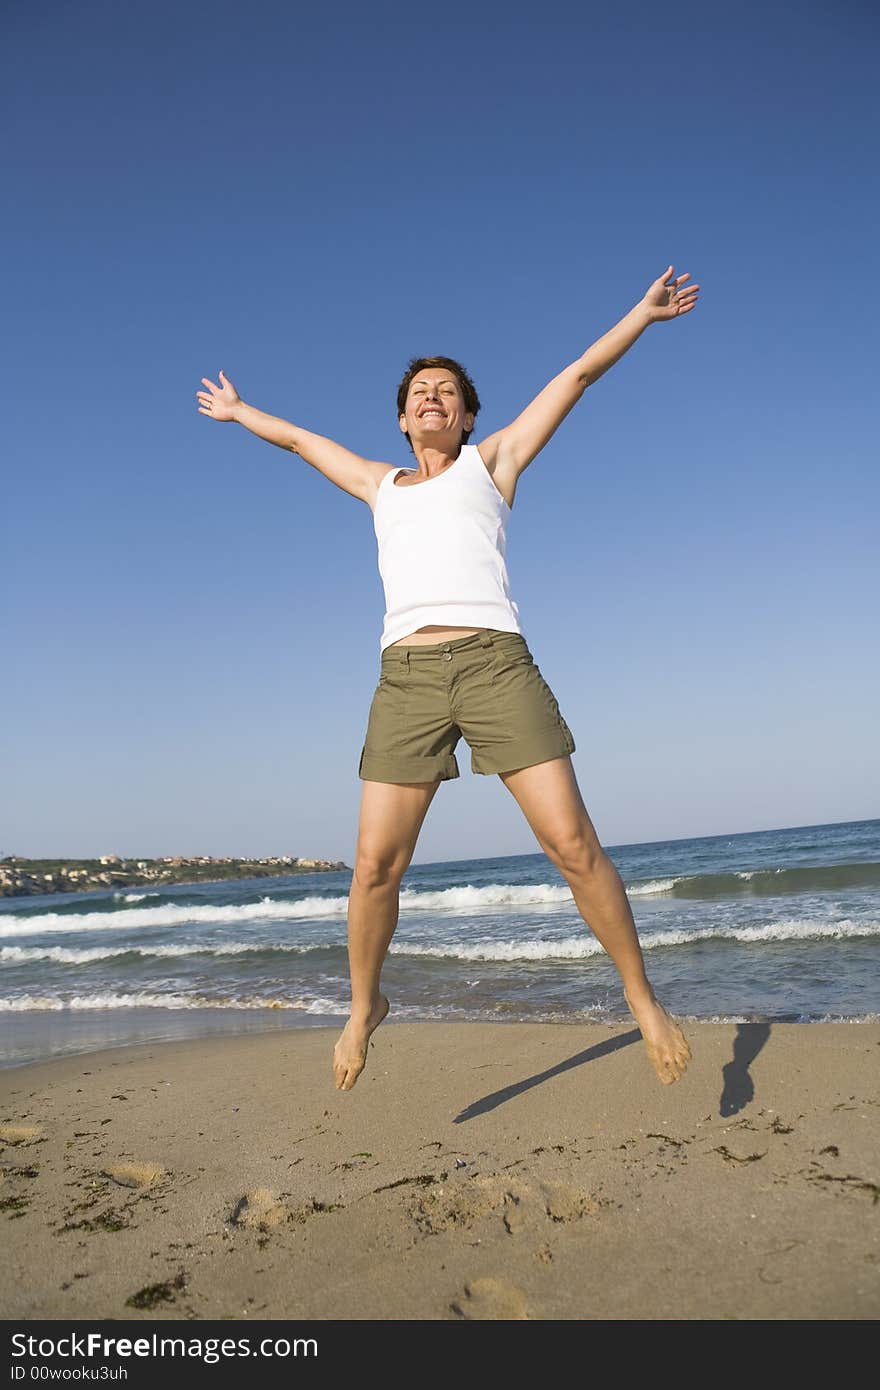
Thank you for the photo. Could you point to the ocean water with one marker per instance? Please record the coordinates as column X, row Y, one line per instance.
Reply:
column 771, row 925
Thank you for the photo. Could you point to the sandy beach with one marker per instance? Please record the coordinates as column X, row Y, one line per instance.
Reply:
column 476, row 1171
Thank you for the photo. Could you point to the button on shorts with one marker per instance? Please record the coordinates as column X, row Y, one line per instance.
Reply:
column 485, row 686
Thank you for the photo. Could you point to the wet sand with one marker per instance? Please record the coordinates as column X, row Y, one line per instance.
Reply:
column 484, row 1171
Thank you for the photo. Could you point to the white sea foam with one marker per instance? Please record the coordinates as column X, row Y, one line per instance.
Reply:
column 580, row 947
column 143, row 999
column 468, row 898
column 529, row 948
column 855, row 1018
column 459, row 900
column 714, row 1018
column 508, row 1011
column 170, row 915
column 71, row 955
column 654, row 885
column 465, row 898
column 804, row 1018
column 783, row 869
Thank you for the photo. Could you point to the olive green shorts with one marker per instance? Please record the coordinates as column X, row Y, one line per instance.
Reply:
column 485, row 686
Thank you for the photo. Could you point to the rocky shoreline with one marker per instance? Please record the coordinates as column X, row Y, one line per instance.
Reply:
column 21, row 877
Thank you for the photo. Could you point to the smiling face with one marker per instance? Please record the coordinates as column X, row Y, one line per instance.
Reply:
column 435, row 415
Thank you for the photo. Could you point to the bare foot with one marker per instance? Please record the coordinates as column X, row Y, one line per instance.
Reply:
column 350, row 1052
column 667, row 1046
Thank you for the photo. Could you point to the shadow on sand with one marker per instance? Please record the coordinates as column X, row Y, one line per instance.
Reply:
column 590, row 1054
column 739, row 1089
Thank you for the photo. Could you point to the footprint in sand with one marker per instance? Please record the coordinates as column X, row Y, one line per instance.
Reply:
column 564, row 1203
column 491, row 1300
column 20, row 1134
column 135, row 1174
column 523, row 1206
column 259, row 1210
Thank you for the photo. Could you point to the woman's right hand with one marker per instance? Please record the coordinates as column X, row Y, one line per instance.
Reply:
column 218, row 402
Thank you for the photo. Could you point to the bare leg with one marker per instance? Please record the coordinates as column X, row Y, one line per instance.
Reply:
column 551, row 801
column 391, row 817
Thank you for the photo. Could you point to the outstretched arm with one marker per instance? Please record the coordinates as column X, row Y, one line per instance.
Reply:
column 347, row 470
column 521, row 441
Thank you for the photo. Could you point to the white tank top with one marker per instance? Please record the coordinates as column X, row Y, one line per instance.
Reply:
column 441, row 550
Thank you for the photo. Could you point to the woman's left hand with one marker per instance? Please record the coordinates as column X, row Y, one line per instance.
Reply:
column 669, row 301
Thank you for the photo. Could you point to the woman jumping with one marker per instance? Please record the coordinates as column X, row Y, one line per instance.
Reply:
column 454, row 659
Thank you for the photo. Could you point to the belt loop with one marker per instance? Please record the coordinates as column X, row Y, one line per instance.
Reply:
column 406, row 658
column 485, row 639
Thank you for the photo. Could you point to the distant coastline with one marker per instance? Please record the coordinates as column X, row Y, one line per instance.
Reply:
column 21, row 878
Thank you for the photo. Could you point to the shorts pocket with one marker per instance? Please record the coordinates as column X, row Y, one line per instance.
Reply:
column 392, row 691
column 510, row 657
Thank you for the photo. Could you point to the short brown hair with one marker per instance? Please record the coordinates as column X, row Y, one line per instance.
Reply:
column 468, row 389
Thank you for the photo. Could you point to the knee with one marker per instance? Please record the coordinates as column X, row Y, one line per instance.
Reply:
column 577, row 855
column 376, row 868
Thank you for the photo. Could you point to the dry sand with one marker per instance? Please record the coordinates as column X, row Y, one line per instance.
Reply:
column 475, row 1171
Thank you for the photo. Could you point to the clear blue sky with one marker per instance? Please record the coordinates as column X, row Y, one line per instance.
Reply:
column 307, row 199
